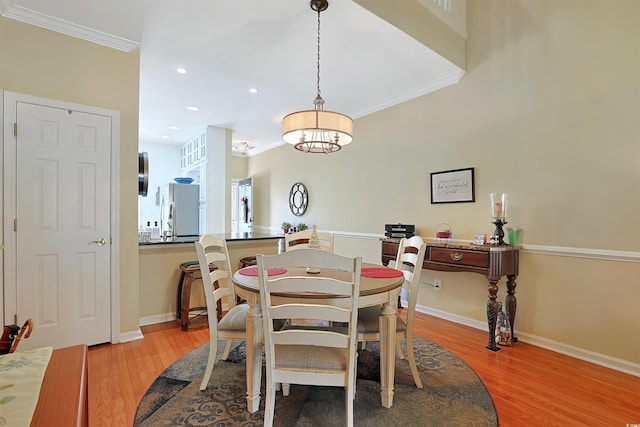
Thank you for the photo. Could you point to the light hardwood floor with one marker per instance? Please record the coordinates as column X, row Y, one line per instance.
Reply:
column 529, row 385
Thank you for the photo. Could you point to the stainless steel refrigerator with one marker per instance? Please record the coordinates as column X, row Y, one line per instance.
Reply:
column 180, row 209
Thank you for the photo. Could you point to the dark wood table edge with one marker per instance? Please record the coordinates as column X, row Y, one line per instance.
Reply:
column 63, row 399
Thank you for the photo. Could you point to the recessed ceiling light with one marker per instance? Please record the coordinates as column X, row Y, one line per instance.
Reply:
column 192, row 108
column 182, row 70
column 253, row 90
column 174, row 127
column 166, row 137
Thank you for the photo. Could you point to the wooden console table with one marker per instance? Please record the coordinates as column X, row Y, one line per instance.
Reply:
column 493, row 262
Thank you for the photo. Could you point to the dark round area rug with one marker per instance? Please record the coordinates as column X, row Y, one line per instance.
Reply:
column 453, row 395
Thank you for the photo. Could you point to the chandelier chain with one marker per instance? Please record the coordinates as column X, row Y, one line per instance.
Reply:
column 318, row 63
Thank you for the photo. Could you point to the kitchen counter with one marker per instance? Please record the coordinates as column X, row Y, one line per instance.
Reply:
column 229, row 237
column 159, row 270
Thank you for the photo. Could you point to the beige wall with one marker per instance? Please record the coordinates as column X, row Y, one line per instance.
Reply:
column 39, row 62
column 238, row 167
column 548, row 112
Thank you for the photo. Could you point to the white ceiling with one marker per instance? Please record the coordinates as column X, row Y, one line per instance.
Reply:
column 230, row 46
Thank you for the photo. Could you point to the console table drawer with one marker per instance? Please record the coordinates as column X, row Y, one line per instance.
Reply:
column 390, row 248
column 460, row 257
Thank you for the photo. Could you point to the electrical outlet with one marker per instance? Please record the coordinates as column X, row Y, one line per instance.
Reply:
column 437, row 285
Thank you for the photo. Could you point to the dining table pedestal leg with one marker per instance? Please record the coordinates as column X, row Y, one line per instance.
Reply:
column 387, row 352
column 254, row 357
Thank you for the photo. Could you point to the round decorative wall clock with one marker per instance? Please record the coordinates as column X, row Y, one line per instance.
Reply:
column 298, row 199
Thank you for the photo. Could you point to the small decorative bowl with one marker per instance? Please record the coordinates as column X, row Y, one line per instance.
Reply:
column 443, row 234
column 183, row 180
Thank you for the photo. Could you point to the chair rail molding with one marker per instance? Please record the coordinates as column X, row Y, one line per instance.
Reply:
column 591, row 253
column 601, row 254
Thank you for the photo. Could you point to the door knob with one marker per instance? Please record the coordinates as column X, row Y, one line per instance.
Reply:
column 100, row 241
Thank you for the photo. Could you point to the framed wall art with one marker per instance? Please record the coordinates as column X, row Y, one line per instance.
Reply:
column 453, row 186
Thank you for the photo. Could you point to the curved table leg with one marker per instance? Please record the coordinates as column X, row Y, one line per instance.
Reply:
column 492, row 314
column 254, row 357
column 387, row 352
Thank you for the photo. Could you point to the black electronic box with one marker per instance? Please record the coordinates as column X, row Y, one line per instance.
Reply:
column 399, row 230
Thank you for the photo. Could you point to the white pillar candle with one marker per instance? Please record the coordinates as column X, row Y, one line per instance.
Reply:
column 497, row 210
column 499, row 205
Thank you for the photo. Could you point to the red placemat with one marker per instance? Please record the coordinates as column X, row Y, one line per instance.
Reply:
column 253, row 271
column 380, row 272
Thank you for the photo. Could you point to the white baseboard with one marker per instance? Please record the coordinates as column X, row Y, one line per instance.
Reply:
column 582, row 354
column 131, row 336
column 578, row 353
column 476, row 324
column 158, row 318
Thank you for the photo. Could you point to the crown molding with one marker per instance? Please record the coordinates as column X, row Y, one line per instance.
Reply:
column 445, row 81
column 9, row 10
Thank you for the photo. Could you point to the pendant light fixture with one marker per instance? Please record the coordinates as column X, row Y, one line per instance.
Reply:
column 242, row 148
column 317, row 130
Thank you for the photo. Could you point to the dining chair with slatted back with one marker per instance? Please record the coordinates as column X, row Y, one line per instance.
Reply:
column 305, row 353
column 411, row 252
column 300, row 240
column 232, row 325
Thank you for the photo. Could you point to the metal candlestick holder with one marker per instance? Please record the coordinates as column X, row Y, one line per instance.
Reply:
column 498, row 231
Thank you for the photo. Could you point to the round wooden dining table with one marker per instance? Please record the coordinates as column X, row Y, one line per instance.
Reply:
column 378, row 285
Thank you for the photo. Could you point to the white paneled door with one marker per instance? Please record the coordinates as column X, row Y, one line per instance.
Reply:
column 63, row 235
column 245, row 206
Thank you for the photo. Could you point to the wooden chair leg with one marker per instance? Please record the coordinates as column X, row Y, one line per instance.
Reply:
column 349, row 404
column 399, row 349
column 269, row 404
column 227, row 349
column 412, row 361
column 213, row 350
column 179, row 296
column 184, row 300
